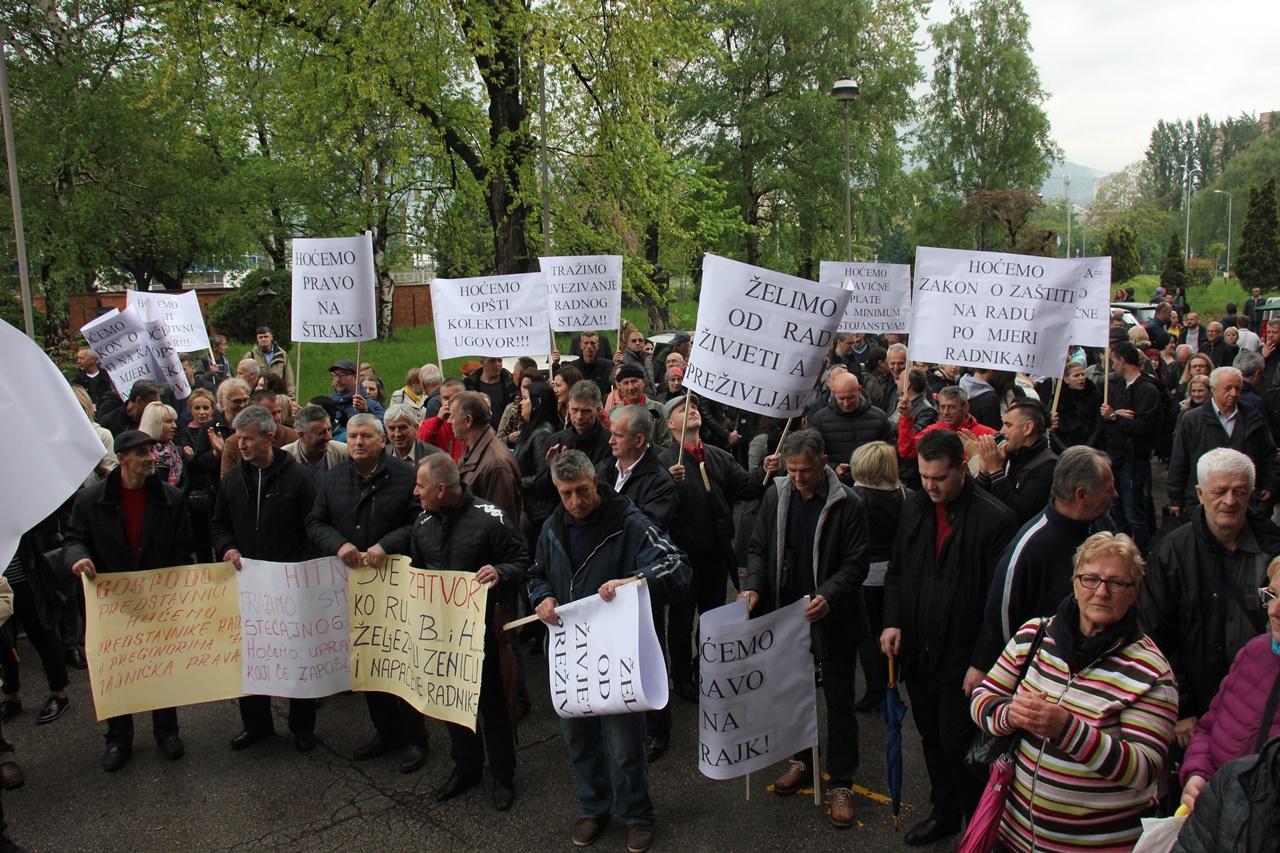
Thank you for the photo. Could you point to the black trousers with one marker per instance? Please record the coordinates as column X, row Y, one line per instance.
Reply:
column 941, row 712
column 396, row 720
column 658, row 723
column 875, row 666
column 255, row 714
column 705, row 593
column 842, row 752
column 494, row 733
column 164, row 721
column 43, row 637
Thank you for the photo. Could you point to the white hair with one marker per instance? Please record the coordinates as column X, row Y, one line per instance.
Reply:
column 402, row 412
column 1220, row 373
column 1224, row 460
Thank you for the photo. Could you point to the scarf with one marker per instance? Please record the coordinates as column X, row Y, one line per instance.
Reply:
column 1078, row 650
column 1275, row 646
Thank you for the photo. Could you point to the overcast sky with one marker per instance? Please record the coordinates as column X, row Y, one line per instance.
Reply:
column 1113, row 68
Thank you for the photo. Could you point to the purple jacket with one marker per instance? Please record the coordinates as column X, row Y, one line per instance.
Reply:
column 1229, row 729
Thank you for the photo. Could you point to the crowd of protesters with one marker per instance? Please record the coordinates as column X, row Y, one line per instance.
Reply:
column 994, row 534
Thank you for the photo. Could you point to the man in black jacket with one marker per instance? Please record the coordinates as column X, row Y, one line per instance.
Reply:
column 1199, row 600
column 1216, row 347
column 708, row 482
column 462, row 533
column 811, row 540
column 128, row 522
column 849, row 422
column 260, row 513
column 1019, row 471
column 594, row 365
column 949, row 540
column 585, row 431
column 1130, row 421
column 95, row 382
column 366, row 504
column 1221, row 422
column 118, row 417
column 495, row 382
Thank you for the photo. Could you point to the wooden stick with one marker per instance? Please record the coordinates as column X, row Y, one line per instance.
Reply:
column 1057, row 392
column 893, row 681
column 786, row 429
column 817, row 779
column 688, row 395
column 553, row 349
column 1106, row 376
column 533, row 617
column 297, row 371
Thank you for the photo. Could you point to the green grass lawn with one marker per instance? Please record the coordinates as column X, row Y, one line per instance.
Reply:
column 1209, row 302
column 415, row 347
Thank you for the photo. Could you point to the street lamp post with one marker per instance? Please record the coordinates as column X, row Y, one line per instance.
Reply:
column 1186, row 198
column 845, row 90
column 1066, row 185
column 1230, row 199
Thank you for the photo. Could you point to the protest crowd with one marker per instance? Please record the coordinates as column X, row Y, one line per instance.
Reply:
column 990, row 537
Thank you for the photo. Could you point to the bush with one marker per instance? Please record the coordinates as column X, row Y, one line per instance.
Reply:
column 1200, row 271
column 236, row 314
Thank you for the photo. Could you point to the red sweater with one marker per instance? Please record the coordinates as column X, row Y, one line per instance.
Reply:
column 907, row 437
column 437, row 431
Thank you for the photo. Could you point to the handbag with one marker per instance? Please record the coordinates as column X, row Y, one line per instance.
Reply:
column 986, row 748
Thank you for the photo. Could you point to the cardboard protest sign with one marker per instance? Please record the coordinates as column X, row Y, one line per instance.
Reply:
column 419, row 635
column 995, row 310
column 293, row 620
column 123, row 346
column 584, row 293
column 178, row 312
column 492, row 316
column 1091, row 325
column 167, row 359
column 162, row 638
column 48, row 470
column 758, row 704
column 761, row 337
column 604, row 657
column 334, row 297
column 881, row 295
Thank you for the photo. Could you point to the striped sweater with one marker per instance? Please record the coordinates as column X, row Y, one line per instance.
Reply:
column 1089, row 788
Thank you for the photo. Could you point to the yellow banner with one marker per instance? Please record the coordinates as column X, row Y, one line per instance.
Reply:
column 419, row 635
column 162, row 638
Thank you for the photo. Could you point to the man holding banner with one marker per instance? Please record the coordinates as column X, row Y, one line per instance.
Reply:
column 459, row 532
column 811, row 540
column 260, row 513
column 595, row 541
column 128, row 522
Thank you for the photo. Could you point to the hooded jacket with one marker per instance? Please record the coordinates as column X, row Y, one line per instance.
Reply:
column 262, row 512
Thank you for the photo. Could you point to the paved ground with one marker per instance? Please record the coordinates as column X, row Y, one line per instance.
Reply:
column 271, row 798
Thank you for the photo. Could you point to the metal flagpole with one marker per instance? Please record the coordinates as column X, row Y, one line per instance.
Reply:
column 15, row 196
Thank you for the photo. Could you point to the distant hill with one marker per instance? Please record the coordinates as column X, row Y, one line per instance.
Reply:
column 1083, row 181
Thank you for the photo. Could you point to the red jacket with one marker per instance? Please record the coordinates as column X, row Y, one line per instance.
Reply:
column 436, row 430
column 907, row 437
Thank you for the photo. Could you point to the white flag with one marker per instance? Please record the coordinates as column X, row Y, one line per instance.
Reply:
column 334, row 298
column 491, row 316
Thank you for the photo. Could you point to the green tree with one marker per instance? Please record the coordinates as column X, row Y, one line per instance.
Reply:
column 1122, row 245
column 1259, row 262
column 1174, row 274
column 984, row 122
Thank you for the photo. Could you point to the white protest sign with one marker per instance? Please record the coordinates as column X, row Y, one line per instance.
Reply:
column 123, row 346
column 761, row 337
column 180, row 314
column 333, row 290
column 38, row 402
column 881, row 295
column 293, row 628
column 584, row 293
column 166, row 357
column 1091, row 325
column 497, row 315
column 995, row 310
column 604, row 658
column 757, row 703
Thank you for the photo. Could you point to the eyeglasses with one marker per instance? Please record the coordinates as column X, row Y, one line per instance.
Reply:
column 1267, row 595
column 1114, row 585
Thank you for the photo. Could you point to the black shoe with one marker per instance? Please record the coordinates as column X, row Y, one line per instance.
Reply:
column 930, row 830
column 171, row 747
column 587, row 830
column 458, row 783
column 379, row 745
column 116, row 756
column 687, row 690
column 639, row 837
column 656, row 746
column 304, row 742
column 76, row 658
column 504, row 794
column 9, row 709
column 53, row 709
column 249, row 737
column 11, row 775
column 412, row 757
column 7, row 845
column 868, row 703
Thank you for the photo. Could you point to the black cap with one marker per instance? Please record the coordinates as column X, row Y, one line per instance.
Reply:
column 1118, row 334
column 679, row 339
column 131, row 438
column 629, row 371
column 345, row 365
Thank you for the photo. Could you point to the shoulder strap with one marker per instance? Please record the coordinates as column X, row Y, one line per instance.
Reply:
column 1268, row 716
column 1041, row 629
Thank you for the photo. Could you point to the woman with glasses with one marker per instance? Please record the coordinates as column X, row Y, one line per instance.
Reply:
column 1235, row 724
column 1094, row 715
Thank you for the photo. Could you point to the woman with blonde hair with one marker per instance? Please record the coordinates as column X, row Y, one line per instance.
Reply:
column 108, row 460
column 160, row 422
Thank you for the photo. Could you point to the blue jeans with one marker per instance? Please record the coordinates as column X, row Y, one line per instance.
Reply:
column 609, row 766
column 1133, row 510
